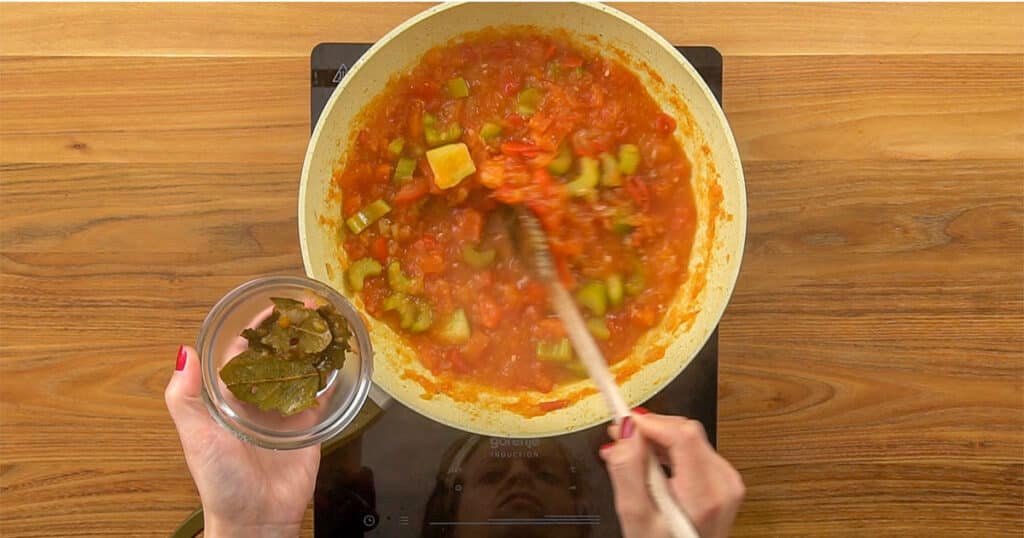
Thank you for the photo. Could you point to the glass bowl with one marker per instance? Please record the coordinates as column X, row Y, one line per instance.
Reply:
column 338, row 402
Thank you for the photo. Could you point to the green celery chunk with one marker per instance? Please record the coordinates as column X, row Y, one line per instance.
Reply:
column 457, row 87
column 367, row 216
column 424, row 319
column 634, row 284
column 588, row 178
column 598, row 328
column 489, row 131
column 456, row 330
column 404, row 305
column 562, row 162
column 478, row 259
column 560, row 351
column 610, row 175
column 576, row 368
column 400, row 282
column 404, row 170
column 528, row 101
column 453, row 133
column 594, row 297
column 616, row 291
column 396, row 146
column 360, row 270
column 629, row 159
column 622, row 226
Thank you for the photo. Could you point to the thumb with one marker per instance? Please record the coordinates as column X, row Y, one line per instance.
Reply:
column 626, row 462
column 182, row 394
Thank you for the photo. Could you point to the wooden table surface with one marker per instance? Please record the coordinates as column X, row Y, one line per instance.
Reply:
column 871, row 358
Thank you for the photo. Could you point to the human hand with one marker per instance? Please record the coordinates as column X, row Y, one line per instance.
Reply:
column 246, row 490
column 704, row 484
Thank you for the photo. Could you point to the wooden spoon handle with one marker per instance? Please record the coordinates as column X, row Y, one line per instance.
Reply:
column 678, row 523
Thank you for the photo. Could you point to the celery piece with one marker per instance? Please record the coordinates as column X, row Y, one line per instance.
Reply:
column 562, row 162
column 559, row 351
column 360, row 270
column 594, row 297
column 629, row 159
column 396, row 146
column 610, row 175
column 367, row 216
column 528, row 101
column 456, row 330
column 587, row 179
column 404, row 170
column 616, row 290
column 457, row 87
column 478, row 259
column 490, row 131
column 598, row 328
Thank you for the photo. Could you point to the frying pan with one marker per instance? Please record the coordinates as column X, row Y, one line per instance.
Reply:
column 717, row 181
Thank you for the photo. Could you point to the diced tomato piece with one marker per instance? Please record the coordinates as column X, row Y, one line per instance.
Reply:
column 416, row 120
column 379, row 250
column 412, row 191
column 664, row 123
column 520, row 148
column 432, row 263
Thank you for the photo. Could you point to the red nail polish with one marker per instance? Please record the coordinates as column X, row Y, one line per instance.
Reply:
column 182, row 357
column 641, row 411
column 606, row 446
column 627, row 428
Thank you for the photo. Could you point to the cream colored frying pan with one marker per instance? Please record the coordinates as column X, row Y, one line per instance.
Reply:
column 717, row 183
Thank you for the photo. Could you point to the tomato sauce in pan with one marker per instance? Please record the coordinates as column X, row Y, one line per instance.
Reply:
column 514, row 117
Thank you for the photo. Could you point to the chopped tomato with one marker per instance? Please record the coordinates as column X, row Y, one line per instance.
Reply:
column 380, row 249
column 664, row 123
column 520, row 148
column 618, row 227
column 412, row 191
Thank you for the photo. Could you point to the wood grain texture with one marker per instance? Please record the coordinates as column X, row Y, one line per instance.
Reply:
column 872, row 358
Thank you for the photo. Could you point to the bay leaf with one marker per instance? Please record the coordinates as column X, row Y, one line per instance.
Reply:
column 270, row 383
column 295, row 311
column 314, row 334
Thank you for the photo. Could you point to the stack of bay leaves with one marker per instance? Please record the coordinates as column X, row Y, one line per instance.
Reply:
column 290, row 357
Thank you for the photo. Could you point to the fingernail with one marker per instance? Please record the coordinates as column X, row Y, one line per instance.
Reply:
column 182, row 357
column 641, row 411
column 606, row 446
column 626, row 429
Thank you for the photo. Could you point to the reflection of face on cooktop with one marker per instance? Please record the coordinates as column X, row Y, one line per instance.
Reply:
column 407, row 475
